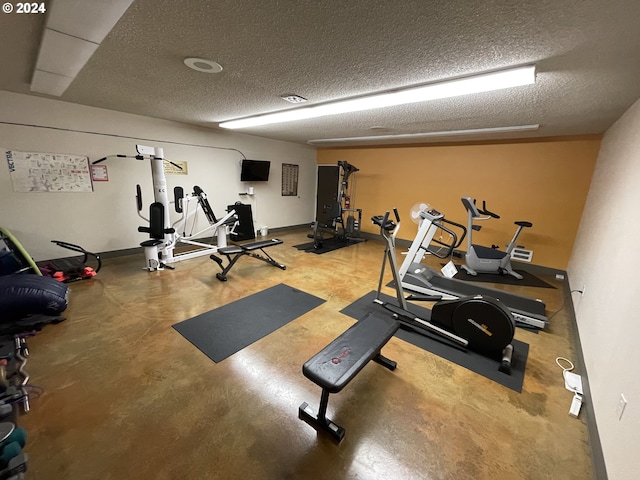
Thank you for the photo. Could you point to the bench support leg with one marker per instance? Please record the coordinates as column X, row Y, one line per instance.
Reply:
column 232, row 261
column 267, row 258
column 321, row 422
column 385, row 362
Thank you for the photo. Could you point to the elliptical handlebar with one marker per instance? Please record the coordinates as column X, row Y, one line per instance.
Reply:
column 384, row 223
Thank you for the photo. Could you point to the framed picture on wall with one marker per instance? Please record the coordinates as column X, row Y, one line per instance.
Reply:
column 99, row 173
column 289, row 180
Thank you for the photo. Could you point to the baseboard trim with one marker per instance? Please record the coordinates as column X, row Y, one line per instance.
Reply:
column 597, row 456
column 139, row 250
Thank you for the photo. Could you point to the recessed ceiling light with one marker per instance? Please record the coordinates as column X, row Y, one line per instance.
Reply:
column 293, row 98
column 203, row 65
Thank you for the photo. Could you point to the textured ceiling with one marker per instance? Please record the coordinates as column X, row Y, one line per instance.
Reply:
column 587, row 54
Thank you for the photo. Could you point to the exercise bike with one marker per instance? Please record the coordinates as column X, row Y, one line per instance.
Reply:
column 480, row 259
column 479, row 322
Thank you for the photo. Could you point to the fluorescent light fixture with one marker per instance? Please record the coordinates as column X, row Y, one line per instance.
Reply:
column 485, row 82
column 409, row 136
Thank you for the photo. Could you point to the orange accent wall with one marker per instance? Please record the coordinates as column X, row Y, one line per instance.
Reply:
column 544, row 182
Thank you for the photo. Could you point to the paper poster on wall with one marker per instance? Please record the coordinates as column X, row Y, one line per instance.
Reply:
column 289, row 180
column 48, row 172
column 99, row 173
column 175, row 167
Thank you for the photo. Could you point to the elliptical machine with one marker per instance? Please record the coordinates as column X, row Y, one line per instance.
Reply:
column 481, row 323
column 480, row 259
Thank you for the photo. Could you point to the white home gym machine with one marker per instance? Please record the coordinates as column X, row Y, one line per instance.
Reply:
column 416, row 277
column 164, row 235
column 480, row 259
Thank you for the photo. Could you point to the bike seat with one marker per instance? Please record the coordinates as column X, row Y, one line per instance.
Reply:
column 524, row 224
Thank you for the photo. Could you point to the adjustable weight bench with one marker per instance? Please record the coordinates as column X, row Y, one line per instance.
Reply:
column 339, row 362
column 245, row 249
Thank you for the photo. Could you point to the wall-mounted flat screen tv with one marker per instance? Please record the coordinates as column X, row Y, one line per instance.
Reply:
column 255, row 170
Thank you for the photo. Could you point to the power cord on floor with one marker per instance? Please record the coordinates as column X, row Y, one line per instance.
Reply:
column 558, row 310
column 573, row 383
column 563, row 302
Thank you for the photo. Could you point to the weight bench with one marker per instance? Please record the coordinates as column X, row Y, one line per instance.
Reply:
column 246, row 249
column 339, row 362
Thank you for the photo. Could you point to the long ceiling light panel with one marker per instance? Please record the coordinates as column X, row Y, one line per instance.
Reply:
column 418, row 136
column 485, row 82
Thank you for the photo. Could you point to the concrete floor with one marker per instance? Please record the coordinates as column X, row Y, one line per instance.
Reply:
column 127, row 397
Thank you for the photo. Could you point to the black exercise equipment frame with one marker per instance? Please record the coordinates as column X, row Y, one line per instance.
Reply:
column 246, row 249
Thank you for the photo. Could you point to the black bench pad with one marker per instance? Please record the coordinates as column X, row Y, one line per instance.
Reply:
column 248, row 247
column 241, row 250
column 335, row 365
column 339, row 362
column 261, row 244
column 232, row 250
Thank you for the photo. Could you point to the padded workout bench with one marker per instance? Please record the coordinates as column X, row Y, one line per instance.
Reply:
column 339, row 362
column 246, row 249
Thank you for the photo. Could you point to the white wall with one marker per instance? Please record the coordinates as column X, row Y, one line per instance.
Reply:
column 604, row 259
column 106, row 219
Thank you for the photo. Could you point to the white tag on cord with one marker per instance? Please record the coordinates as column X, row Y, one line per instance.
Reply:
column 449, row 270
column 573, row 382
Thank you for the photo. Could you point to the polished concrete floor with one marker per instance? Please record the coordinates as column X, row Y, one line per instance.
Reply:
column 127, row 397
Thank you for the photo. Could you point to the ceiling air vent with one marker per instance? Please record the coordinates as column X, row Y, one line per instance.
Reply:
column 293, row 98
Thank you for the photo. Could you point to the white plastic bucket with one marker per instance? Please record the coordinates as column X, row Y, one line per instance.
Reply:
column 264, row 231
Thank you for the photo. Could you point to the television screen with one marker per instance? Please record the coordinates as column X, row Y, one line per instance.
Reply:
column 255, row 170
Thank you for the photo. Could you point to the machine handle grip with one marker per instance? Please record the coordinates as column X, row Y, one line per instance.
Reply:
column 174, row 164
column 461, row 227
column 449, row 246
column 383, row 222
column 395, row 211
column 139, row 198
column 484, row 211
column 100, row 160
